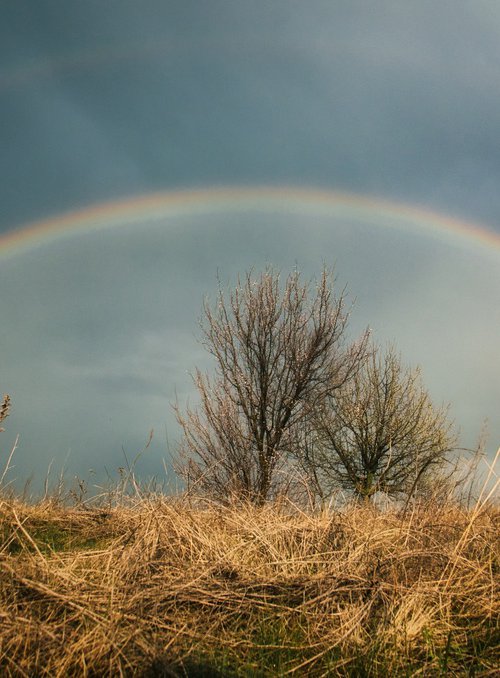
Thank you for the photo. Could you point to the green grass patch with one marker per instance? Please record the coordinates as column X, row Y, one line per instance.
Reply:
column 50, row 536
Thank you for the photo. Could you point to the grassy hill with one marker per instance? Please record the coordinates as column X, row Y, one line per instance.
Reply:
column 158, row 586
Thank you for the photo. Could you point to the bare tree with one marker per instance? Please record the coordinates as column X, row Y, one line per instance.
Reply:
column 379, row 432
column 278, row 351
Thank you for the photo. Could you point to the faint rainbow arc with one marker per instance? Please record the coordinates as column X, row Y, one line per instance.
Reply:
column 167, row 204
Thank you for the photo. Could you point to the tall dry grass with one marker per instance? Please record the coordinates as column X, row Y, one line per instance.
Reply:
column 159, row 586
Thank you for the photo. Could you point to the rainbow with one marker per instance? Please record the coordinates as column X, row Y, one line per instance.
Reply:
column 169, row 204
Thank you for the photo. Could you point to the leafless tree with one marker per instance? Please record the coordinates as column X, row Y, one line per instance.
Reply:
column 278, row 350
column 379, row 432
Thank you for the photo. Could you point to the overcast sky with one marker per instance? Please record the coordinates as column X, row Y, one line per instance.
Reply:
column 106, row 100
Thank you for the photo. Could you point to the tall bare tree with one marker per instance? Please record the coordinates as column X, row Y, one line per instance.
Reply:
column 379, row 432
column 278, row 350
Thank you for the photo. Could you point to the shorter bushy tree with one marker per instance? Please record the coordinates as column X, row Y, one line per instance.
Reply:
column 378, row 432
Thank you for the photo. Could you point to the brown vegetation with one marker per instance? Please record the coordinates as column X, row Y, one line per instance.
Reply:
column 171, row 587
column 4, row 408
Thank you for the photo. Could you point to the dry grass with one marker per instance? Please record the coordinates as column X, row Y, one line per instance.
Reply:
column 4, row 408
column 166, row 587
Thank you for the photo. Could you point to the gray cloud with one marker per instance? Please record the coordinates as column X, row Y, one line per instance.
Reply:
column 102, row 100
column 377, row 98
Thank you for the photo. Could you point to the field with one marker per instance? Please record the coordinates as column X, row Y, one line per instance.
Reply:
column 158, row 586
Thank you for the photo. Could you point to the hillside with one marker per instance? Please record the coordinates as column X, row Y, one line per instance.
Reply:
column 159, row 586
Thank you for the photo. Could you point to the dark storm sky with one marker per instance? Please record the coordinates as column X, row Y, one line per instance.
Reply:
column 102, row 100
column 105, row 99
